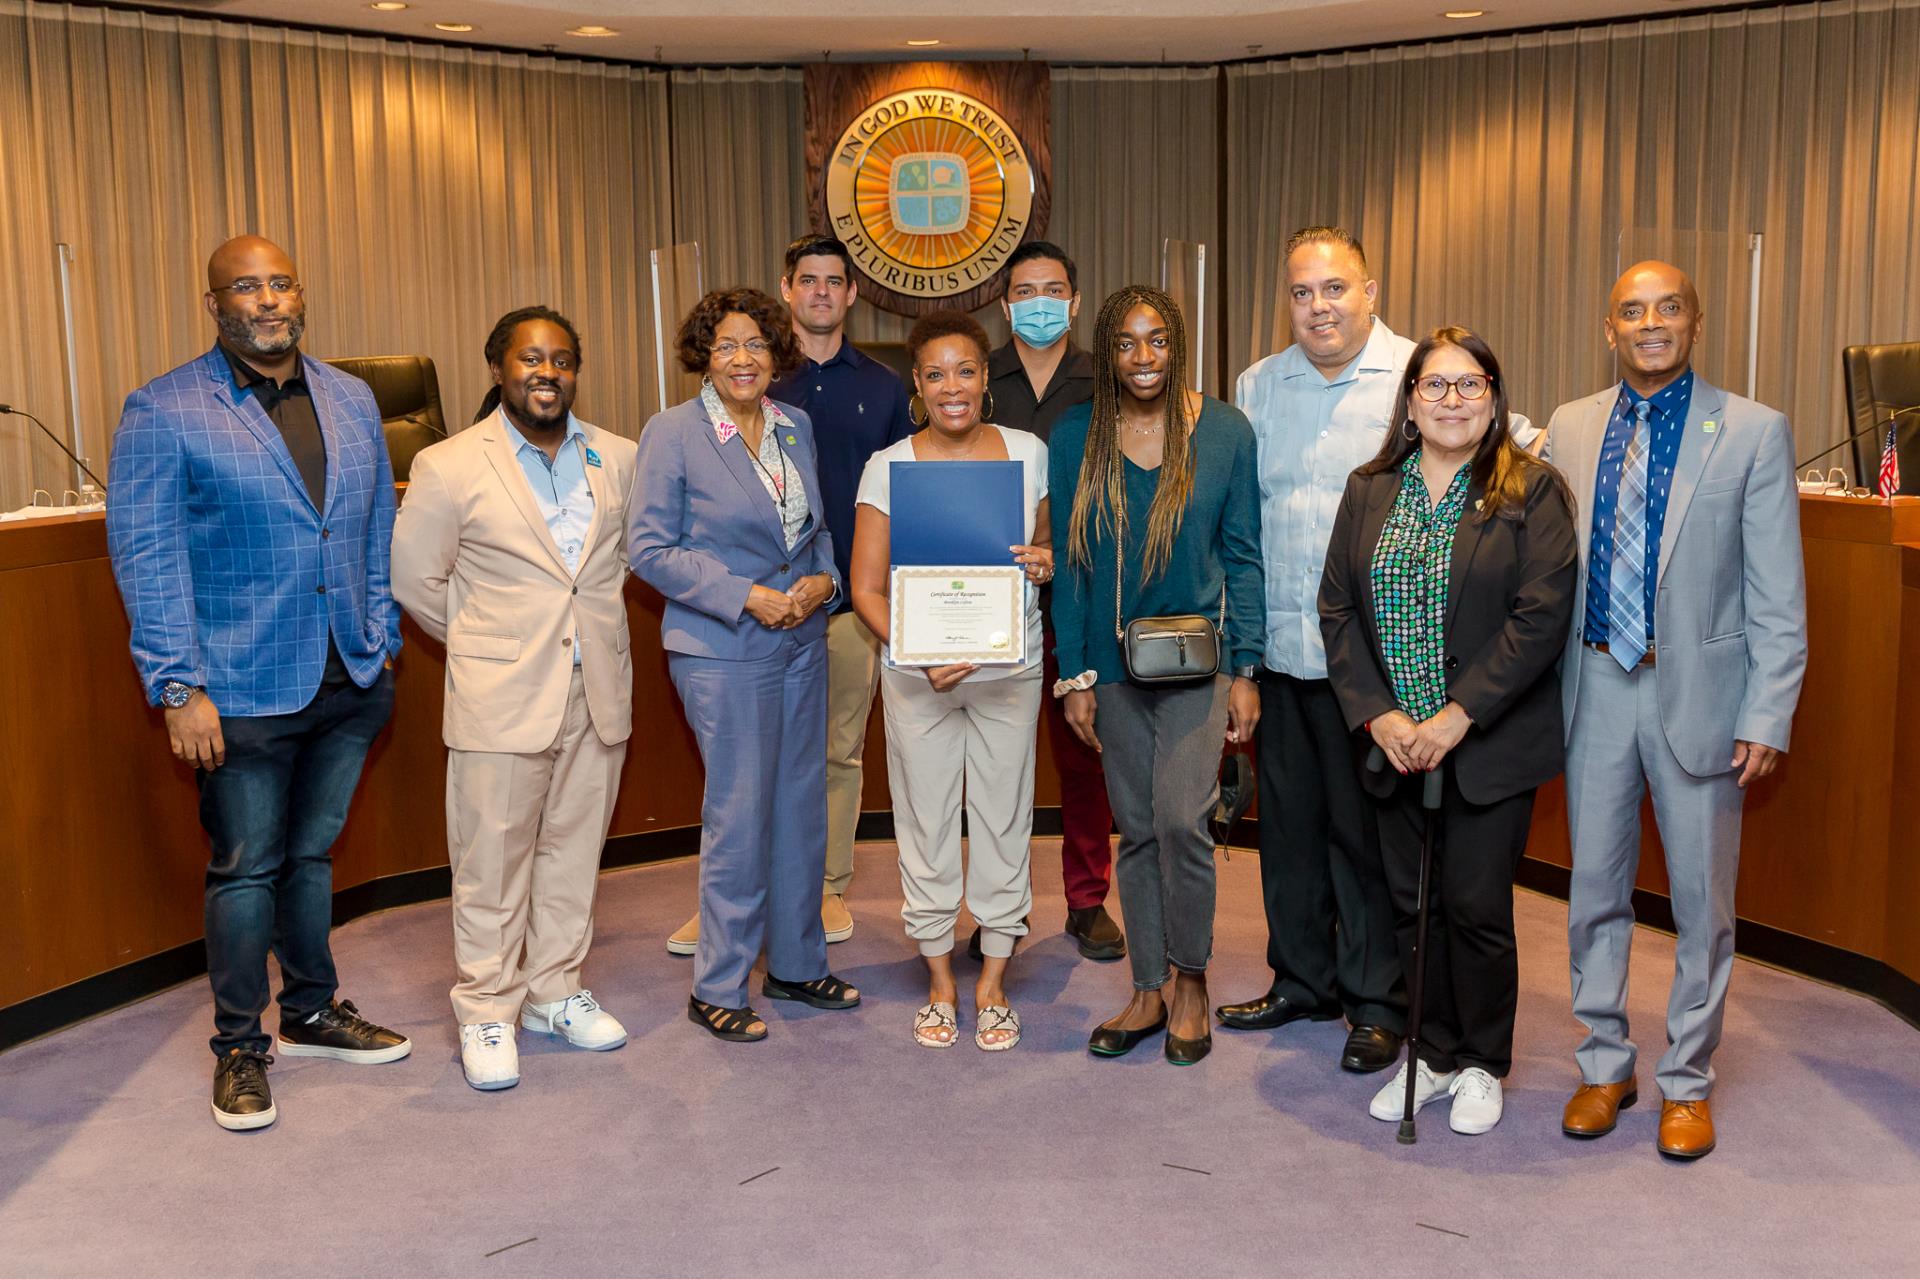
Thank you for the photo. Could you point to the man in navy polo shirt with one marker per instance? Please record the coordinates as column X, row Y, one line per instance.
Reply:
column 858, row 406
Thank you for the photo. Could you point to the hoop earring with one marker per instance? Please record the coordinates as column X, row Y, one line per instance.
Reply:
column 915, row 402
column 1410, row 432
column 986, row 409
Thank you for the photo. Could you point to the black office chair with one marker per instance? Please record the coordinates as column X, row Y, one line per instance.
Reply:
column 1882, row 379
column 407, row 391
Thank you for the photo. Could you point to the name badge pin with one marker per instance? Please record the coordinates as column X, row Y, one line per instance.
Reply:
column 1709, row 427
column 593, row 458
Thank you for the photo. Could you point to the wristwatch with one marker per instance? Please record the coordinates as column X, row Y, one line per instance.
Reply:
column 174, row 694
column 1245, row 672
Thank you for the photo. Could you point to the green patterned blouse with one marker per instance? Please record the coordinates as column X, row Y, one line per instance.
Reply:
column 1410, row 569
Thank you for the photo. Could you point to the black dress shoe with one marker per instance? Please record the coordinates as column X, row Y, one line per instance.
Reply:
column 340, row 1032
column 241, row 1098
column 1184, row 1052
column 1370, row 1048
column 973, row 943
column 1269, row 1012
column 1096, row 933
column 1109, row 1042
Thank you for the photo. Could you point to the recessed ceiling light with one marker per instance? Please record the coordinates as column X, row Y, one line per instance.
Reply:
column 921, row 44
column 1464, row 13
column 593, row 33
column 455, row 27
column 388, row 6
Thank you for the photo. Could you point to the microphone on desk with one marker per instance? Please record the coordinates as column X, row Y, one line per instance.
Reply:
column 1881, row 425
column 6, row 409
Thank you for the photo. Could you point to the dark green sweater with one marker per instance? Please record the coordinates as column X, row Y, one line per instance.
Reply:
column 1218, row 543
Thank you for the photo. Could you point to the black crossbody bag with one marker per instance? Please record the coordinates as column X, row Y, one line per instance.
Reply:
column 1176, row 649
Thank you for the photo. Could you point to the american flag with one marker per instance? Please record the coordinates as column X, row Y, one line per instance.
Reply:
column 1889, row 465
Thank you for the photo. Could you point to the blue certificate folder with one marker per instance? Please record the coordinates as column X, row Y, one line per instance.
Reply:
column 956, row 513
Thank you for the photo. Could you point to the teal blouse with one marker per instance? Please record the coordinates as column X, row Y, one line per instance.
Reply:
column 1217, row 548
column 1411, row 564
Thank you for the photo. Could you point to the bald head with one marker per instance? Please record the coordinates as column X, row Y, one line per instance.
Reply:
column 247, row 255
column 1653, row 319
column 255, row 298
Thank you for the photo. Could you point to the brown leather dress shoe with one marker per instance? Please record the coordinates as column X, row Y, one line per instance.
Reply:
column 1686, row 1128
column 1595, row 1108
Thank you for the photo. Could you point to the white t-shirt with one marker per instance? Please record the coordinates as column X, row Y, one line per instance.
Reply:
column 1024, row 447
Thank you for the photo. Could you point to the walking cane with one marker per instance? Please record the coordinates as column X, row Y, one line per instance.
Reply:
column 1430, row 801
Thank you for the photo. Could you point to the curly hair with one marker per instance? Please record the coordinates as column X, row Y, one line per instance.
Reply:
column 935, row 325
column 695, row 340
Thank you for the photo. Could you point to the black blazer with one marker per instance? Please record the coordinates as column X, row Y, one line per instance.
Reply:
column 1510, row 593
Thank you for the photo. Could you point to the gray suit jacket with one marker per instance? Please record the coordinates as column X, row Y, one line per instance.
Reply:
column 702, row 531
column 1730, row 610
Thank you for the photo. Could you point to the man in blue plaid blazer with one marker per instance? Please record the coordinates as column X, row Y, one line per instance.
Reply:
column 249, row 510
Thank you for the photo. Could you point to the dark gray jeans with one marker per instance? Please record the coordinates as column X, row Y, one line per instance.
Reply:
column 1161, row 752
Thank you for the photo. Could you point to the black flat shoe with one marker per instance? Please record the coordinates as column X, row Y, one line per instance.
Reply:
column 821, row 992
column 1096, row 933
column 1109, row 1042
column 1370, row 1048
column 1184, row 1052
column 1269, row 1012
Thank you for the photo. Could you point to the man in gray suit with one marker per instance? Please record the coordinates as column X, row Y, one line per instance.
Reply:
column 1681, row 675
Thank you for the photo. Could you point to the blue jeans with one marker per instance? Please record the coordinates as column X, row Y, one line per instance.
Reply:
column 272, row 812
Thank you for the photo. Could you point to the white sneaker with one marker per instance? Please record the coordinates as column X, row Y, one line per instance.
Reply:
column 1391, row 1101
column 488, row 1056
column 1477, row 1102
column 578, row 1020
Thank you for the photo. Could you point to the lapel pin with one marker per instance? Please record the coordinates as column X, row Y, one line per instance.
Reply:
column 1709, row 426
column 789, row 439
column 593, row 458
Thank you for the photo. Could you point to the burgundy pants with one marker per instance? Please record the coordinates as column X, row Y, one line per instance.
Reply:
column 1086, row 855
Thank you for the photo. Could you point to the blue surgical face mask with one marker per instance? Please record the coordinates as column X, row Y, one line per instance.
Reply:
column 1039, row 322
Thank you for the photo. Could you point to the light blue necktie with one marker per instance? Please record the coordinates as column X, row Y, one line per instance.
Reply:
column 1627, row 579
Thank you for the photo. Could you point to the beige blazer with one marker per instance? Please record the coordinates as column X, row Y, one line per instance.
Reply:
column 474, row 564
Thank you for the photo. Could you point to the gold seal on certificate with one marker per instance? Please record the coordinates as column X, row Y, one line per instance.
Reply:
column 944, row 616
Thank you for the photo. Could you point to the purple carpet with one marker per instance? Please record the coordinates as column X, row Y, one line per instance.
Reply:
column 839, row 1147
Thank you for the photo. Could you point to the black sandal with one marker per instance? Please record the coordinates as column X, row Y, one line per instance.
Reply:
column 821, row 992
column 725, row 1023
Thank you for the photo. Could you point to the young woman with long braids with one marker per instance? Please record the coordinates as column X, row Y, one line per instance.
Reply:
column 1164, row 519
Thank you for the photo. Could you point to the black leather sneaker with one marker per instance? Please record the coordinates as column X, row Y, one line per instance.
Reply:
column 241, row 1098
column 340, row 1032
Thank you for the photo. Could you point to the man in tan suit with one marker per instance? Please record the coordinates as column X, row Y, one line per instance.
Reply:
column 509, row 549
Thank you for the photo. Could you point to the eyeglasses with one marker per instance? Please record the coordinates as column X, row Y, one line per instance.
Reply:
column 758, row 348
column 247, row 286
column 1471, row 386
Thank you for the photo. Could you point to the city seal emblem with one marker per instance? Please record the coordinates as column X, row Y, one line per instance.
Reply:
column 931, row 191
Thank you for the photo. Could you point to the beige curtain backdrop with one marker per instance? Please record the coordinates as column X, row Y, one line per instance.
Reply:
column 422, row 192
column 1491, row 181
column 1135, row 162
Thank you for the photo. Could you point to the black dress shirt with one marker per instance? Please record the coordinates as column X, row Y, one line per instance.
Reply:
column 1015, row 404
column 290, row 405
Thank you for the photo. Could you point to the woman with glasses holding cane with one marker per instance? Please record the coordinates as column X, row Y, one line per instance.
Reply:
column 1445, row 604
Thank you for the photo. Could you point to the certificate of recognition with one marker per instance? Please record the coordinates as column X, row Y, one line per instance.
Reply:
column 943, row 616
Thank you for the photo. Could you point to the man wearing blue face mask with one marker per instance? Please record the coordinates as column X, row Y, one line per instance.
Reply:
column 1038, row 375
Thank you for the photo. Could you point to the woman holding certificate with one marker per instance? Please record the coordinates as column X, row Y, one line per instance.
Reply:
column 963, row 503
column 725, row 523
column 1158, row 615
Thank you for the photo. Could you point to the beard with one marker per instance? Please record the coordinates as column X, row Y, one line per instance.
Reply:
column 239, row 332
